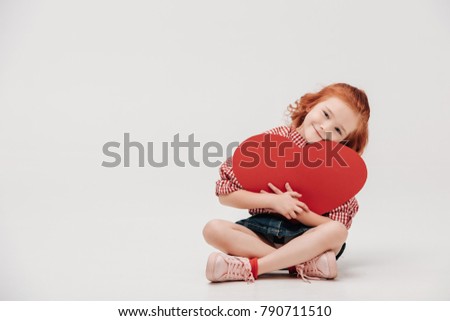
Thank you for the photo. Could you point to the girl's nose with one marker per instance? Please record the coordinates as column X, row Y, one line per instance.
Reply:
column 326, row 126
column 326, row 129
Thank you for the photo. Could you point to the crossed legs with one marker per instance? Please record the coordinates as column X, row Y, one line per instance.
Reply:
column 237, row 240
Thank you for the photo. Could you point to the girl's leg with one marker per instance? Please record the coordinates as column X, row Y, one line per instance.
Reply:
column 235, row 239
column 327, row 236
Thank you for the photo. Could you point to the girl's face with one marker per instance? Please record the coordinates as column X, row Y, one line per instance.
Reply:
column 331, row 119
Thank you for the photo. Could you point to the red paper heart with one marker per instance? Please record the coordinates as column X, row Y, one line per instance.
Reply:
column 326, row 173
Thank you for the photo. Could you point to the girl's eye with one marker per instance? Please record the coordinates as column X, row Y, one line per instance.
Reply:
column 326, row 114
column 339, row 131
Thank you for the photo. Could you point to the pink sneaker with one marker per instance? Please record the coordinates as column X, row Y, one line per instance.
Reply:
column 222, row 267
column 321, row 267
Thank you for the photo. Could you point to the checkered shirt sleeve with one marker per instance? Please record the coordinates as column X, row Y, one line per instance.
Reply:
column 345, row 212
column 228, row 182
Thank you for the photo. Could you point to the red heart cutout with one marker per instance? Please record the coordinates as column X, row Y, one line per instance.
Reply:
column 326, row 173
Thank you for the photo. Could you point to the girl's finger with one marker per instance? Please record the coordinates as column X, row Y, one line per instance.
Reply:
column 302, row 205
column 295, row 194
column 288, row 187
column 273, row 188
column 287, row 216
column 263, row 192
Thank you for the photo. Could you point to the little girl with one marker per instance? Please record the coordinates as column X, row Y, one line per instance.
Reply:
column 282, row 232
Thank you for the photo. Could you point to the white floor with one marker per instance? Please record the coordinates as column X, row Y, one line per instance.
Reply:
column 100, row 260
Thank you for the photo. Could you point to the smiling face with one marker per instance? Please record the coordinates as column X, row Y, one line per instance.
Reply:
column 331, row 119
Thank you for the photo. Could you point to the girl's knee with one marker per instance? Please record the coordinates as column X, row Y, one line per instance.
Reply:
column 339, row 228
column 336, row 232
column 213, row 229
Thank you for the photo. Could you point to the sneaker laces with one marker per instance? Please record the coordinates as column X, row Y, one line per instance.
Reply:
column 304, row 269
column 239, row 270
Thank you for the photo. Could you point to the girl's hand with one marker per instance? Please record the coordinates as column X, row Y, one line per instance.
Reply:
column 287, row 203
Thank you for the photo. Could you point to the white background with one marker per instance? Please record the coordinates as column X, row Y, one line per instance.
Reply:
column 77, row 74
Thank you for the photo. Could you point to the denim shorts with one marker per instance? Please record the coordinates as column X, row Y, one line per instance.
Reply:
column 277, row 229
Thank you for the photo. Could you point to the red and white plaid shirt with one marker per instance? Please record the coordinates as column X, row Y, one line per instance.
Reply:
column 228, row 182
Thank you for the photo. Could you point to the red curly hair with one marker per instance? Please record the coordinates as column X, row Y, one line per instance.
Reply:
column 352, row 96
